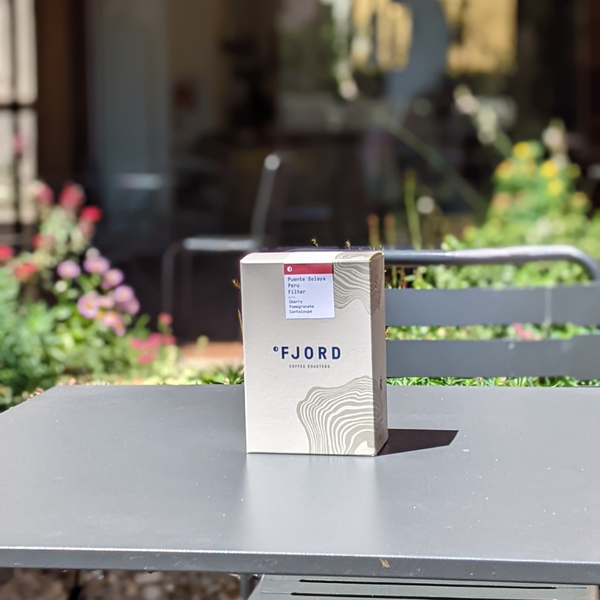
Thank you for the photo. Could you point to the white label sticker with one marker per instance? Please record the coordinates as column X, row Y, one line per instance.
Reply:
column 308, row 291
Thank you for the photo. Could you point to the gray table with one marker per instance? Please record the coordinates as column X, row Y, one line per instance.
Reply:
column 478, row 484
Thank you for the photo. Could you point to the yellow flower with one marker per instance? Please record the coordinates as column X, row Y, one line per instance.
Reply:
column 556, row 187
column 579, row 200
column 522, row 150
column 501, row 201
column 549, row 169
column 504, row 170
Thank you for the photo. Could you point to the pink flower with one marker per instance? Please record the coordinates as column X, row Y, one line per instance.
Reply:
column 132, row 307
column 6, row 253
column 144, row 359
column 123, row 294
column 68, row 269
column 154, row 340
column 112, row 278
column 71, row 197
column 138, row 344
column 42, row 241
column 522, row 333
column 149, row 346
column 106, row 302
column 87, row 305
column 91, row 213
column 25, row 270
column 113, row 320
column 96, row 264
column 165, row 319
column 44, row 195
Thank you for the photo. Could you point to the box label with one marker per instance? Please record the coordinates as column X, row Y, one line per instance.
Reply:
column 308, row 291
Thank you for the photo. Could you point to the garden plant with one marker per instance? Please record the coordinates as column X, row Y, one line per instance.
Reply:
column 536, row 201
column 66, row 315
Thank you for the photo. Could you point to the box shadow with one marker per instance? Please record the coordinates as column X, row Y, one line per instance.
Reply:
column 410, row 440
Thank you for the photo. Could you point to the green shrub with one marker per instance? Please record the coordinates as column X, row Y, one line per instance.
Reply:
column 30, row 355
column 535, row 201
column 66, row 315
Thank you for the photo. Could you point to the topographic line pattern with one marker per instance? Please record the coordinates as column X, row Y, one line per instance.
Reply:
column 351, row 281
column 339, row 420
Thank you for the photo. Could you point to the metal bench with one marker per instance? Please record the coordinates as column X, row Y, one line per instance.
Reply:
column 576, row 304
column 578, row 357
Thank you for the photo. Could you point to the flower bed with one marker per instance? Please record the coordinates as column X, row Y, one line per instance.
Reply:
column 66, row 315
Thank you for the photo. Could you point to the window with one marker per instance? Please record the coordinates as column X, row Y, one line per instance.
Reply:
column 18, row 128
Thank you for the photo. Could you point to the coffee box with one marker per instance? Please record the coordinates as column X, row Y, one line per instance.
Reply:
column 314, row 352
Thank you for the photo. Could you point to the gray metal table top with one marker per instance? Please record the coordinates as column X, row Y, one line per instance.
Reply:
column 477, row 483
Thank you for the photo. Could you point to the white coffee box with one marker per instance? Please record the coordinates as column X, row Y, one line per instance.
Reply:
column 314, row 352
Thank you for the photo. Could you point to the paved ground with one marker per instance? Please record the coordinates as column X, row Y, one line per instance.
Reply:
column 37, row 584
column 214, row 354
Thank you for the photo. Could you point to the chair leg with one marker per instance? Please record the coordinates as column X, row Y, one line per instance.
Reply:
column 247, row 584
column 77, row 588
column 168, row 277
column 187, row 288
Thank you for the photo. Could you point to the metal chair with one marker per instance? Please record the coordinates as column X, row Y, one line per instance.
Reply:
column 353, row 588
column 578, row 357
column 264, row 231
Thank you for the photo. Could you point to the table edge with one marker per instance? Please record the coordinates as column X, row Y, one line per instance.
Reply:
column 437, row 568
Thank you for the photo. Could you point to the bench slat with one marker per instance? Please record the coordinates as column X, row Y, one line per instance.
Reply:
column 578, row 357
column 576, row 304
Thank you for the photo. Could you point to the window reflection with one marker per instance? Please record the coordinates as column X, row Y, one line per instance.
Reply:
column 18, row 93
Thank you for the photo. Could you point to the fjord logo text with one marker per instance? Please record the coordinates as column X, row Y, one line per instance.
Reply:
column 308, row 352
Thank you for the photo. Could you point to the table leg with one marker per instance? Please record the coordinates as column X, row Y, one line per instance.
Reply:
column 247, row 584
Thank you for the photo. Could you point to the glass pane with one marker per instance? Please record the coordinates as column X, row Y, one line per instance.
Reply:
column 26, row 59
column 26, row 141
column 28, row 172
column 26, row 52
column 5, row 83
column 7, row 214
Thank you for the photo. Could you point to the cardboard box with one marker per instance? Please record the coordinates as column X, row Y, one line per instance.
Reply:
column 314, row 352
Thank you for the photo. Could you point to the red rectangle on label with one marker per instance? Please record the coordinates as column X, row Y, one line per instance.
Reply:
column 318, row 269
